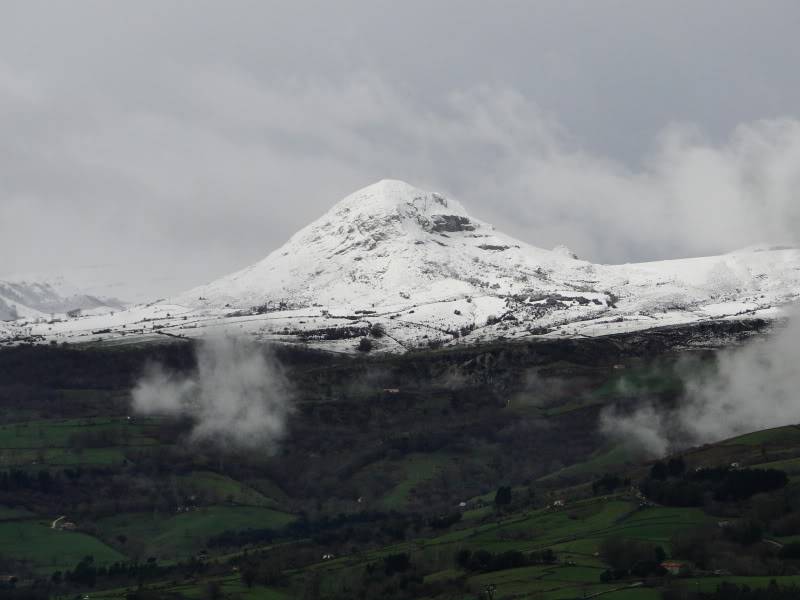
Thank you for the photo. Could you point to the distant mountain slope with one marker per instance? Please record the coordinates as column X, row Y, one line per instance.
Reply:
column 409, row 268
column 37, row 298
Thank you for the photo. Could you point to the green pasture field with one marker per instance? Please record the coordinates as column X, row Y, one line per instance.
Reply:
column 57, row 433
column 223, row 489
column 51, row 549
column 789, row 436
column 606, row 459
column 174, row 536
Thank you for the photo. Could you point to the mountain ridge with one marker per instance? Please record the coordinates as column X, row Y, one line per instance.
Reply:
column 408, row 268
column 41, row 297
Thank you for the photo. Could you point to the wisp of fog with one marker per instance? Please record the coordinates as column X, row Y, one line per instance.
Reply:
column 238, row 395
column 752, row 387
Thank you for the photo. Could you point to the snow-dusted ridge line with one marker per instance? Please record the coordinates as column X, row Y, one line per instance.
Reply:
column 409, row 268
column 38, row 297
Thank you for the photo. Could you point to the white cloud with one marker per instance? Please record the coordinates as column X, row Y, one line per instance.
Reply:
column 748, row 388
column 238, row 395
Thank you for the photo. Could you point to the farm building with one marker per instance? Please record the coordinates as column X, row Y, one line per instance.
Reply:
column 674, row 567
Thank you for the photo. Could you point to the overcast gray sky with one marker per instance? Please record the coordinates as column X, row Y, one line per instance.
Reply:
column 173, row 142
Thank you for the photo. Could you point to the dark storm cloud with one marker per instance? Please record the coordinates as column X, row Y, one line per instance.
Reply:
column 181, row 140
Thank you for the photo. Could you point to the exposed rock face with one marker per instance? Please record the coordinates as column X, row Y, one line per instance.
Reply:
column 451, row 223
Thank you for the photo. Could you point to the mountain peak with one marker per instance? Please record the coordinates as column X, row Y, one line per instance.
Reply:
column 384, row 240
column 394, row 197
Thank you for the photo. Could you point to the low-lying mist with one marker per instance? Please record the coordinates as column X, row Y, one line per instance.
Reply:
column 751, row 387
column 237, row 396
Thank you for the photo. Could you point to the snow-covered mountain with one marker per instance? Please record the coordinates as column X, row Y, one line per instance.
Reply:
column 386, row 244
column 408, row 268
column 36, row 297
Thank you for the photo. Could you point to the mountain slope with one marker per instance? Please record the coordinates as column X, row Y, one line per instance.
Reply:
column 412, row 264
column 32, row 298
